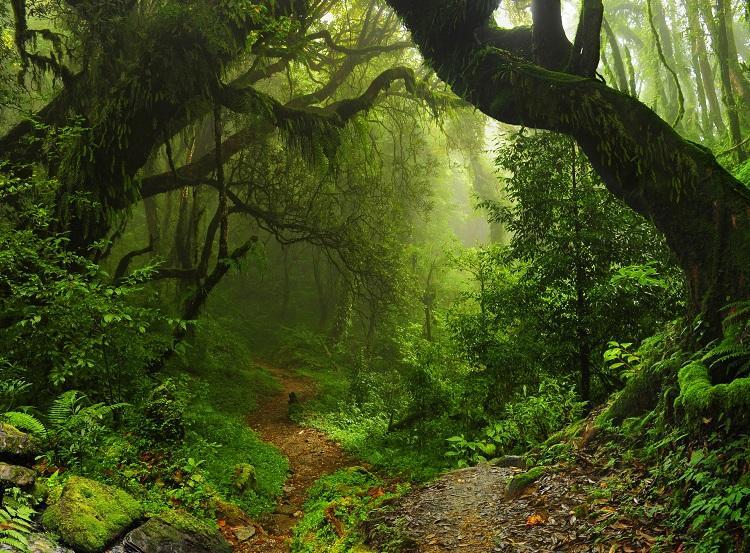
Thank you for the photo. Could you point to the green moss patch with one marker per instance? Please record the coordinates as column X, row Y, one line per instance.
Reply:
column 520, row 482
column 700, row 399
column 89, row 515
column 184, row 522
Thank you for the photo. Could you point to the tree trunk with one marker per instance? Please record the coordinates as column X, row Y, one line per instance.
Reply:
column 581, row 310
column 619, row 66
column 700, row 56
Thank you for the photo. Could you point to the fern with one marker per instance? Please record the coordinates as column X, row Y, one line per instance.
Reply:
column 16, row 526
column 24, row 421
column 64, row 407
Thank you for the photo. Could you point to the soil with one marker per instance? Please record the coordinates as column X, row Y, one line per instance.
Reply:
column 311, row 455
column 577, row 507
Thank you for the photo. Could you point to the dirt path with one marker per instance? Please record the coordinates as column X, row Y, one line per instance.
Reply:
column 564, row 511
column 311, row 455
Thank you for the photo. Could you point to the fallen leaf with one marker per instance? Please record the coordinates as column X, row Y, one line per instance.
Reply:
column 535, row 520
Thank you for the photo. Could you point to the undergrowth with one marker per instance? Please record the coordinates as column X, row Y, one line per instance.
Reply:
column 337, row 507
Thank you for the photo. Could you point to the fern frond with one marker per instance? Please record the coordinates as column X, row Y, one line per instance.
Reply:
column 15, row 527
column 726, row 352
column 64, row 407
column 22, row 546
column 24, row 421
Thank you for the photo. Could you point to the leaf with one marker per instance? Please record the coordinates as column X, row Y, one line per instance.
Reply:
column 535, row 520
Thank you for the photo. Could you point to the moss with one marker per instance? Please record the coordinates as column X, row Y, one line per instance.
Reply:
column 89, row 515
column 520, row 482
column 187, row 523
column 700, row 399
column 567, row 434
column 244, row 477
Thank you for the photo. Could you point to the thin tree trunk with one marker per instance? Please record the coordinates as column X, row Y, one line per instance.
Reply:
column 728, row 96
column 582, row 334
column 700, row 56
column 619, row 66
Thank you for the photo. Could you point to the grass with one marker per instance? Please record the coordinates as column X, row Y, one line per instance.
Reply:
column 364, row 433
column 228, row 386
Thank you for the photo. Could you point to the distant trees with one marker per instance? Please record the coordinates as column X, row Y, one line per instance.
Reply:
column 230, row 122
column 534, row 76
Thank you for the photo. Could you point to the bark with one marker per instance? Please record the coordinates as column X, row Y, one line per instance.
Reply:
column 703, row 211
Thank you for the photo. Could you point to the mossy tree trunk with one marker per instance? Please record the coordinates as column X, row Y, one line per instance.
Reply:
column 701, row 209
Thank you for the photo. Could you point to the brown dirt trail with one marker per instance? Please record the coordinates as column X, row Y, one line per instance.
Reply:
column 311, row 455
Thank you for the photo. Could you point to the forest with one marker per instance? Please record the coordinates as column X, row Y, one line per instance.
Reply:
column 374, row 276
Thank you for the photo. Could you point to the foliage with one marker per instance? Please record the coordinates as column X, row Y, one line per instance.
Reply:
column 77, row 428
column 96, row 336
column 16, row 523
column 527, row 422
column 337, row 506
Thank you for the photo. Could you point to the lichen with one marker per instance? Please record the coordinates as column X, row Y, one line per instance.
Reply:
column 89, row 515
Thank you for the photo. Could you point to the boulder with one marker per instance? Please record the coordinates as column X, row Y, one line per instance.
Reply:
column 520, row 482
column 16, row 445
column 89, row 515
column 509, row 461
column 14, row 476
column 173, row 532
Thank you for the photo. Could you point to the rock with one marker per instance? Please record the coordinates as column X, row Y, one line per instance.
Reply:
column 16, row 445
column 244, row 533
column 509, row 461
column 230, row 513
column 89, row 515
column 520, row 482
column 42, row 543
column 174, row 532
column 12, row 475
column 39, row 543
column 286, row 509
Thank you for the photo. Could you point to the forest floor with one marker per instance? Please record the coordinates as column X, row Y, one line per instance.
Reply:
column 590, row 503
column 587, row 504
column 311, row 455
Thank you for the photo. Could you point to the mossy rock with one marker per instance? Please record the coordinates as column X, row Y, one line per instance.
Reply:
column 520, row 482
column 185, row 522
column 38, row 543
column 169, row 533
column 16, row 445
column 509, row 461
column 12, row 475
column 89, row 515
